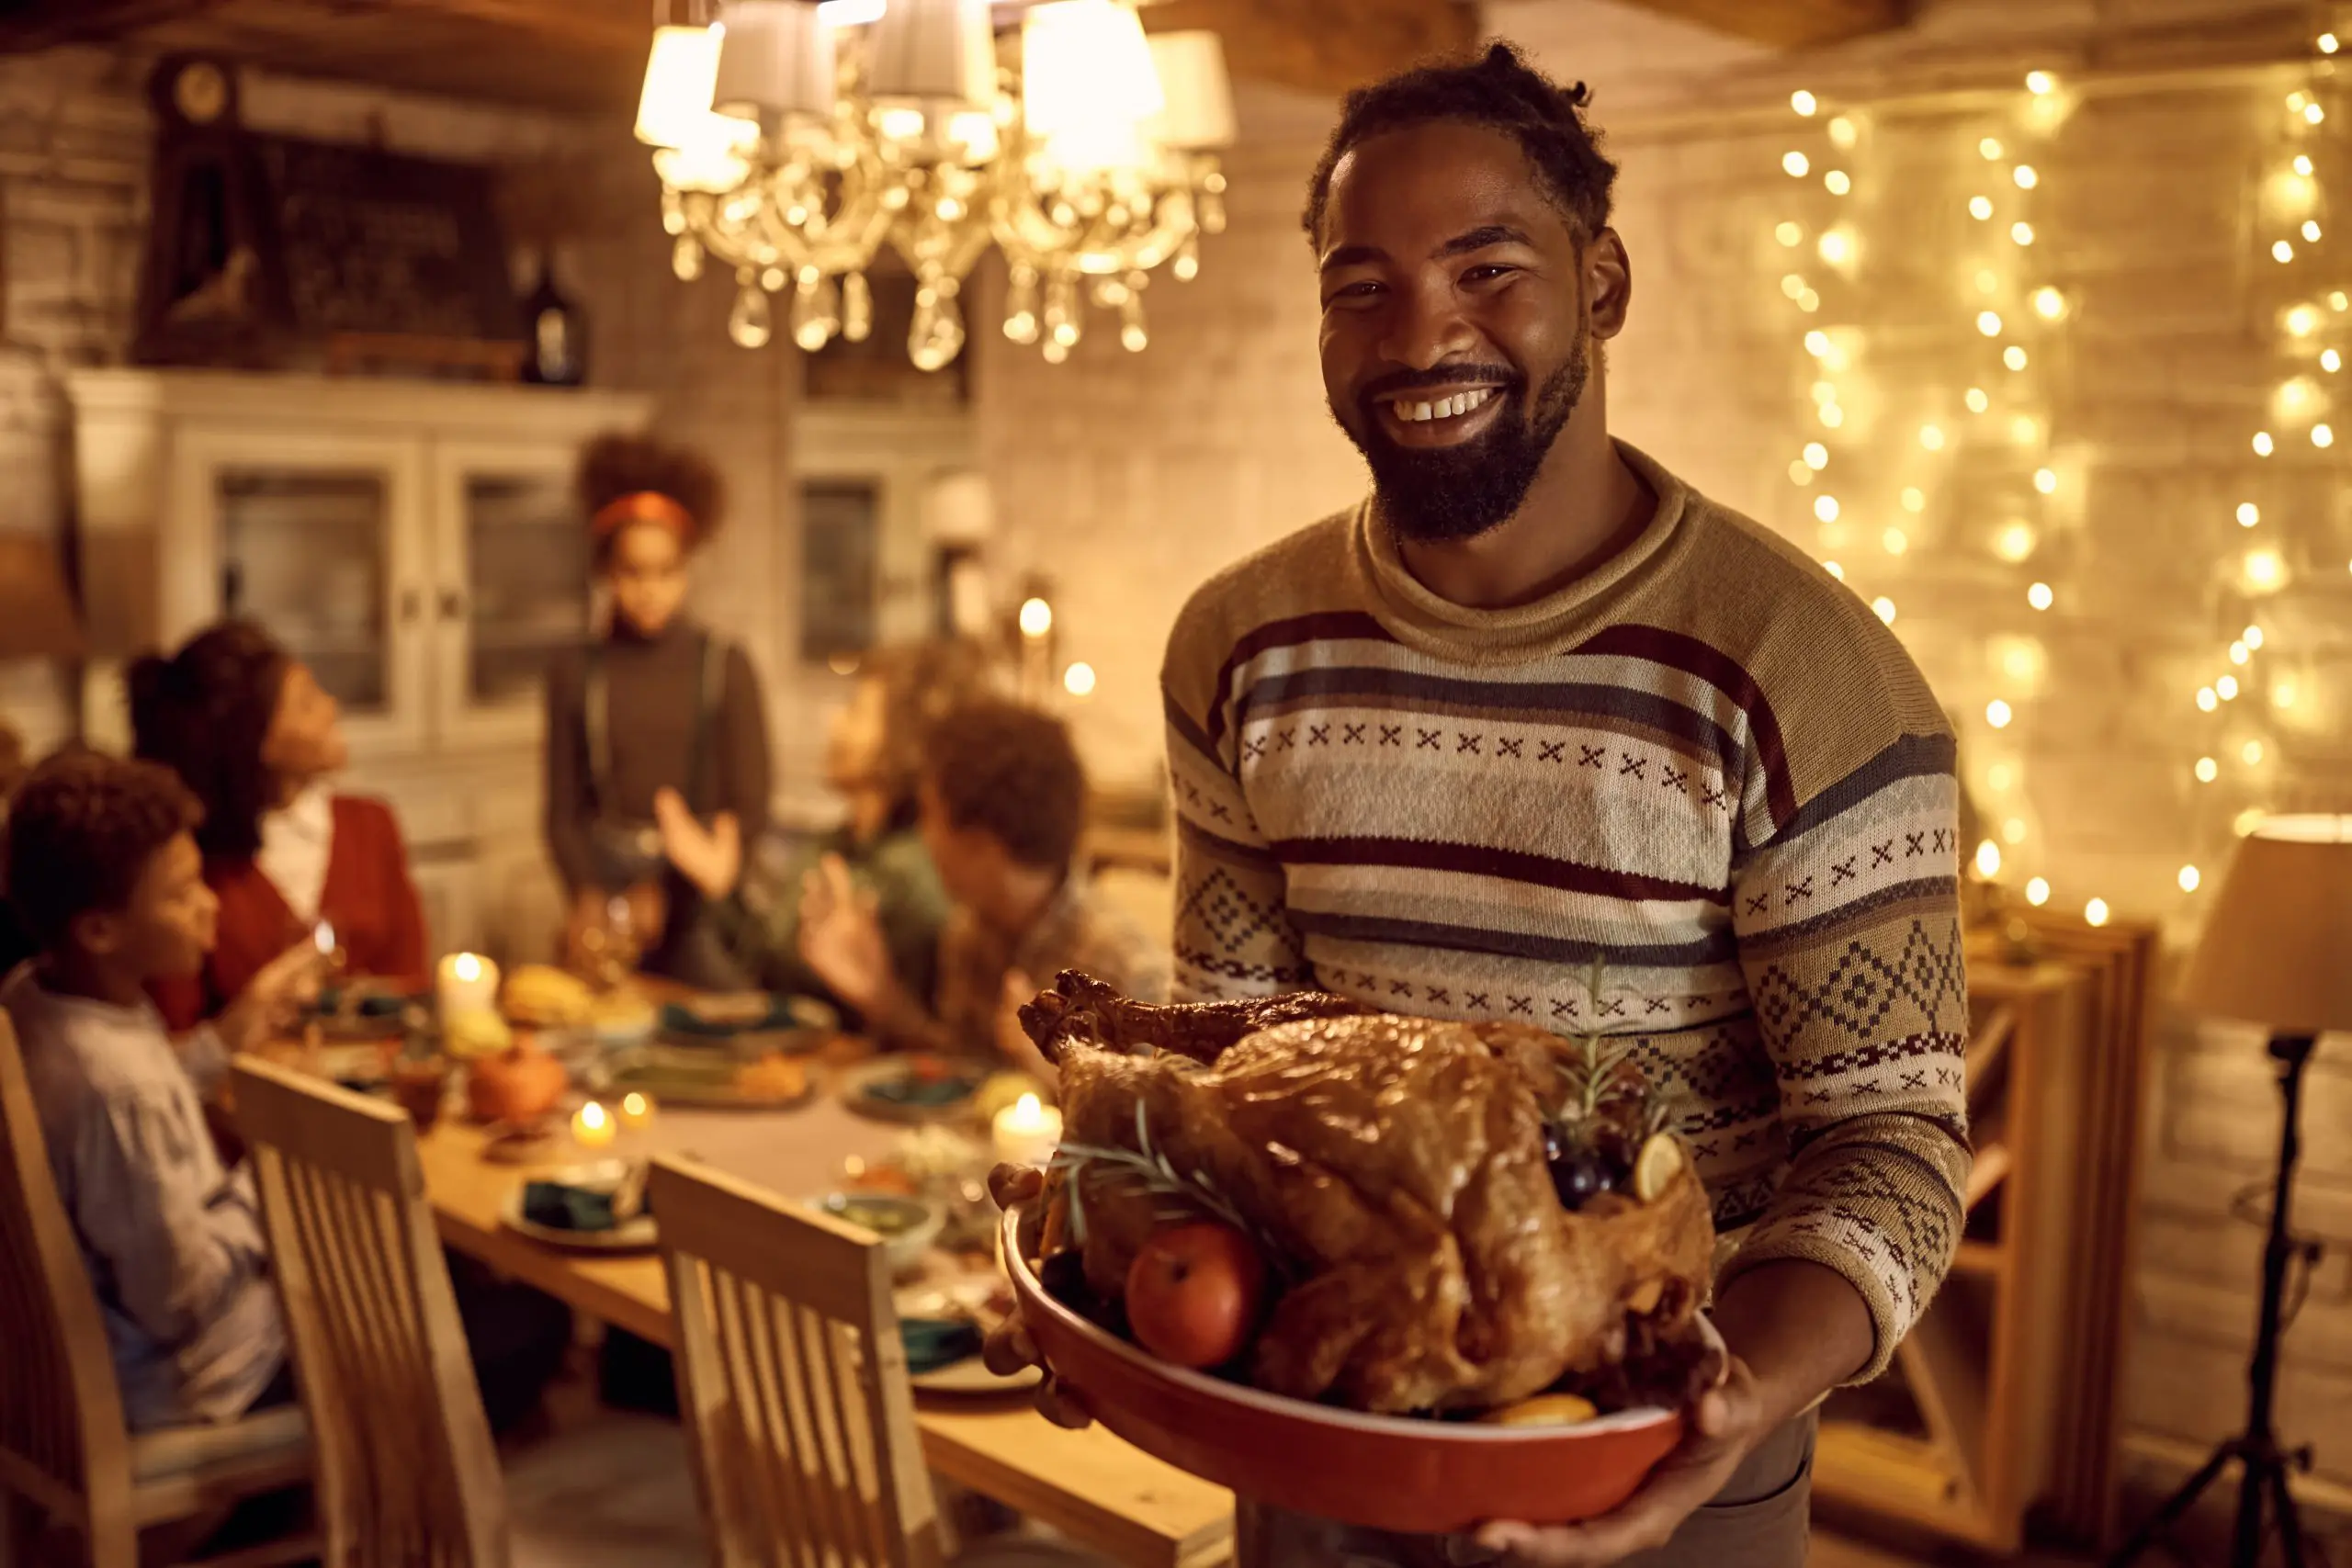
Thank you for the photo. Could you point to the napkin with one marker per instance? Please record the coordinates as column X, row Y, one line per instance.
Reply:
column 913, row 1088
column 561, row 1207
column 935, row 1342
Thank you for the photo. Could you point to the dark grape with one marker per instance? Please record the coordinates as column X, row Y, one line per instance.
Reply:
column 1579, row 1175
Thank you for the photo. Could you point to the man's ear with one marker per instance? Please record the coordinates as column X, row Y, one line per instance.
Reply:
column 1608, row 283
column 99, row 933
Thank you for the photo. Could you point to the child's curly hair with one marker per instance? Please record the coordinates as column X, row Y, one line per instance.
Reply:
column 1013, row 773
column 81, row 830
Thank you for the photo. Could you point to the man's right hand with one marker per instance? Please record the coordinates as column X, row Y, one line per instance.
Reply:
column 840, row 937
column 273, row 999
column 1009, row 1347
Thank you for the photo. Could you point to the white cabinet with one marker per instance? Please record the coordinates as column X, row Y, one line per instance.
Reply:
column 414, row 543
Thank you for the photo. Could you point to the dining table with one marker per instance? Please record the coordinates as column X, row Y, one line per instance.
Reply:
column 1090, row 1485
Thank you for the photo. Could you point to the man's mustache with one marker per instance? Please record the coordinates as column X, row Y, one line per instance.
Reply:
column 1405, row 381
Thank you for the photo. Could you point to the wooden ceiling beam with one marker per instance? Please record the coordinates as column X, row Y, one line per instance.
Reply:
column 1789, row 24
column 1323, row 46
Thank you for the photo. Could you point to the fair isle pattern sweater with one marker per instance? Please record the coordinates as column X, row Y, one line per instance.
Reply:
column 1707, row 769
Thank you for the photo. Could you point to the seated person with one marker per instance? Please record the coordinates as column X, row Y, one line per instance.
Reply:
column 1002, row 803
column 873, row 756
column 103, row 874
column 250, row 730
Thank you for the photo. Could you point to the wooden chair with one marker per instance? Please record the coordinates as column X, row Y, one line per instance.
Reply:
column 406, row 1472
column 67, row 1461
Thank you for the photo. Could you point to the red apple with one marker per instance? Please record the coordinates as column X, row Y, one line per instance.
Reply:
column 1194, row 1293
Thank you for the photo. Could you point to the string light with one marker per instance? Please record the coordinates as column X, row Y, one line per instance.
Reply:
column 2282, row 252
column 2240, row 653
column 1998, row 713
column 1836, row 247
column 2311, row 230
column 1931, row 436
column 2252, row 636
column 2022, row 232
column 1816, row 456
column 1915, row 500
column 2228, row 688
column 2189, row 879
column 2331, row 361
column 1789, row 234
column 2248, row 515
column 1988, row 859
column 2037, row 891
column 2304, row 164
column 2096, row 911
column 1797, row 164
column 1804, row 103
column 2013, row 831
column 2263, row 445
column 2046, row 480
column 2039, row 596
column 2025, row 176
column 1895, row 541
column 1992, row 149
column 1989, row 322
column 1842, row 134
column 1834, row 570
column 1977, row 402
column 2013, row 357
column 2265, row 569
column 2208, row 770
column 1826, row 508
column 2207, row 699
column 2049, row 304
column 1884, row 608
column 2040, row 84
column 1838, row 181
column 2014, row 543
column 2327, row 43
column 1981, row 209
column 2252, row 753
column 2323, row 436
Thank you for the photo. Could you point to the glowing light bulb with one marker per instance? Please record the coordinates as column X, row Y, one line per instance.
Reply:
column 1981, row 207
column 2046, row 480
column 1838, row 182
column 1836, row 247
column 1988, row 859
column 1797, row 164
column 1793, row 285
column 2025, row 176
column 1895, row 541
column 1808, row 301
column 2189, row 879
column 2208, row 770
column 2264, row 568
column 2022, row 232
column 2049, row 304
column 1789, row 234
column 2339, row 301
column 1998, row 713
column 1931, row 436
column 2013, row 357
column 1036, row 617
column 2302, row 321
column 2248, row 515
column 2263, row 445
column 2253, row 638
column 1799, row 474
column 2304, row 164
column 2240, row 652
column 1816, row 456
column 1079, row 679
column 1843, row 134
column 2282, row 252
column 2253, row 753
column 2037, row 891
column 1832, row 416
column 1804, row 103
column 2000, row 776
column 1991, row 148
column 1834, row 570
column 2207, row 701
column 2331, row 361
column 2314, row 113
column 2014, row 543
column 2227, row 686
column 1989, row 322
column 2013, row 831
column 2040, row 84
column 1988, row 282
column 2096, row 911
column 2328, row 44
column 1885, row 609
column 1816, row 342
column 1826, row 508
column 2311, row 230
column 2283, row 695
column 2039, row 596
column 1977, row 402
column 1915, row 500
column 2024, row 430
column 2323, row 436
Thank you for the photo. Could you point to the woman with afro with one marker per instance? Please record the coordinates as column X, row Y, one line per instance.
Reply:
column 658, row 714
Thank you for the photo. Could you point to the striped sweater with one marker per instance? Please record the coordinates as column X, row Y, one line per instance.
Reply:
column 1706, row 769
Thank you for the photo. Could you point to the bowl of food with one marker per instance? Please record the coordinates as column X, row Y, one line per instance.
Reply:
column 905, row 1225
column 1408, row 1275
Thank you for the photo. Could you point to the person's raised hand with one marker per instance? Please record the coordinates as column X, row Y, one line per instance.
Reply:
column 840, row 936
column 1723, row 1426
column 273, row 999
column 711, row 858
column 1008, row 1348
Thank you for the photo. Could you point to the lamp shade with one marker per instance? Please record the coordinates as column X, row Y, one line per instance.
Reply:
column 1086, row 70
column 681, row 72
column 36, row 614
column 778, row 58
column 1199, row 112
column 934, row 51
column 2277, row 945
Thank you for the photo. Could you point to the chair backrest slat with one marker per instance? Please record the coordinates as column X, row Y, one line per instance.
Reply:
column 407, row 1474
column 63, row 1439
column 793, row 1381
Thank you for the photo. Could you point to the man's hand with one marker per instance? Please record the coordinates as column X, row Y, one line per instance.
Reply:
column 273, row 999
column 1009, row 1347
column 711, row 858
column 840, row 937
column 1724, row 1427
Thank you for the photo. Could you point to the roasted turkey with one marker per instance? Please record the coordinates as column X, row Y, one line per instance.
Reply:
column 1410, row 1179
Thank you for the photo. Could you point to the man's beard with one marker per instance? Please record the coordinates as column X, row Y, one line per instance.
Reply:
column 1434, row 494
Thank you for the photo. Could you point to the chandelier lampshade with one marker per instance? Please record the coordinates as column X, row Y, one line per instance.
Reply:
column 776, row 57
column 938, row 51
column 681, row 74
column 1198, row 114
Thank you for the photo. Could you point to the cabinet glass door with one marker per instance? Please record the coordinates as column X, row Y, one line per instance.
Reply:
column 516, row 557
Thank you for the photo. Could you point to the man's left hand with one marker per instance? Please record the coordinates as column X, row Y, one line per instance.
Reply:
column 1725, row 1426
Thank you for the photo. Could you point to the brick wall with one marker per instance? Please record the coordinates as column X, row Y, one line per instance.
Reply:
column 1129, row 477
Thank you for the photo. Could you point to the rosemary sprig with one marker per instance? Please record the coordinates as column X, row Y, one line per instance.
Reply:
column 1151, row 1169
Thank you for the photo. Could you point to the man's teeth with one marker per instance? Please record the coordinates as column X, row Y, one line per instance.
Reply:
column 1417, row 412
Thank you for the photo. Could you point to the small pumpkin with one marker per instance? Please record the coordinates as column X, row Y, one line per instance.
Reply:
column 520, row 1084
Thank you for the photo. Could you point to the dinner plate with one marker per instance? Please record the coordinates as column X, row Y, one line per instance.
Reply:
column 858, row 1086
column 971, row 1374
column 638, row 1235
column 693, row 1079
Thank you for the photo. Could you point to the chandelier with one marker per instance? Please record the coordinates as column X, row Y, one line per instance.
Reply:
column 795, row 141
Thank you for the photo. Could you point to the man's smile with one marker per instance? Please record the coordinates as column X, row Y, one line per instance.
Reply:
column 1437, row 416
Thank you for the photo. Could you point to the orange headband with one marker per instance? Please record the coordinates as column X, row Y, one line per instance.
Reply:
column 642, row 506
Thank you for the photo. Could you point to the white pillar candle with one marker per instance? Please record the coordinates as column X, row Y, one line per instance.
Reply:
column 591, row 1126
column 1027, row 1131
column 465, row 982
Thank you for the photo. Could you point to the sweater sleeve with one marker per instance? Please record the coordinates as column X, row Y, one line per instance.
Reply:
column 1234, row 936
column 570, row 805
column 741, row 745
column 1847, row 916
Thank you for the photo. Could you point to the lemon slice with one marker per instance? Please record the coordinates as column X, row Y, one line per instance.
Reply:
column 1660, row 1161
column 1543, row 1410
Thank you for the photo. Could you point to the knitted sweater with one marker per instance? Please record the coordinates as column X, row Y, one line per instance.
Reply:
column 1706, row 768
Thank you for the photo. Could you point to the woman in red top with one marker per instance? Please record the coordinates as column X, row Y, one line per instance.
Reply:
column 255, row 737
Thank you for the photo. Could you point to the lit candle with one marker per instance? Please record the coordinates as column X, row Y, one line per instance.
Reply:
column 464, row 983
column 1027, row 1131
column 591, row 1126
column 637, row 1112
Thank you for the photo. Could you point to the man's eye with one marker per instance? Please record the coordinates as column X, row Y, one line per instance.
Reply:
column 1487, row 274
column 1362, row 289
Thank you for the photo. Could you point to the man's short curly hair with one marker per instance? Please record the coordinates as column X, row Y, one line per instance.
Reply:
column 1499, row 90
column 1011, row 772
column 82, row 828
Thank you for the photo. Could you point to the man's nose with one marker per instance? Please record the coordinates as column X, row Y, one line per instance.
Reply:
column 1428, row 329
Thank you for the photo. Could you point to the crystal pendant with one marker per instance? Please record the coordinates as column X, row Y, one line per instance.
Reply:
column 749, row 322
column 1187, row 266
column 1021, row 305
column 857, row 307
column 1061, row 312
column 1212, row 201
column 816, row 311
column 1131, row 328
column 686, row 258
column 936, row 337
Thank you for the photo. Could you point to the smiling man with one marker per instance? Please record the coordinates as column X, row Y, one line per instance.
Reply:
column 1538, row 704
